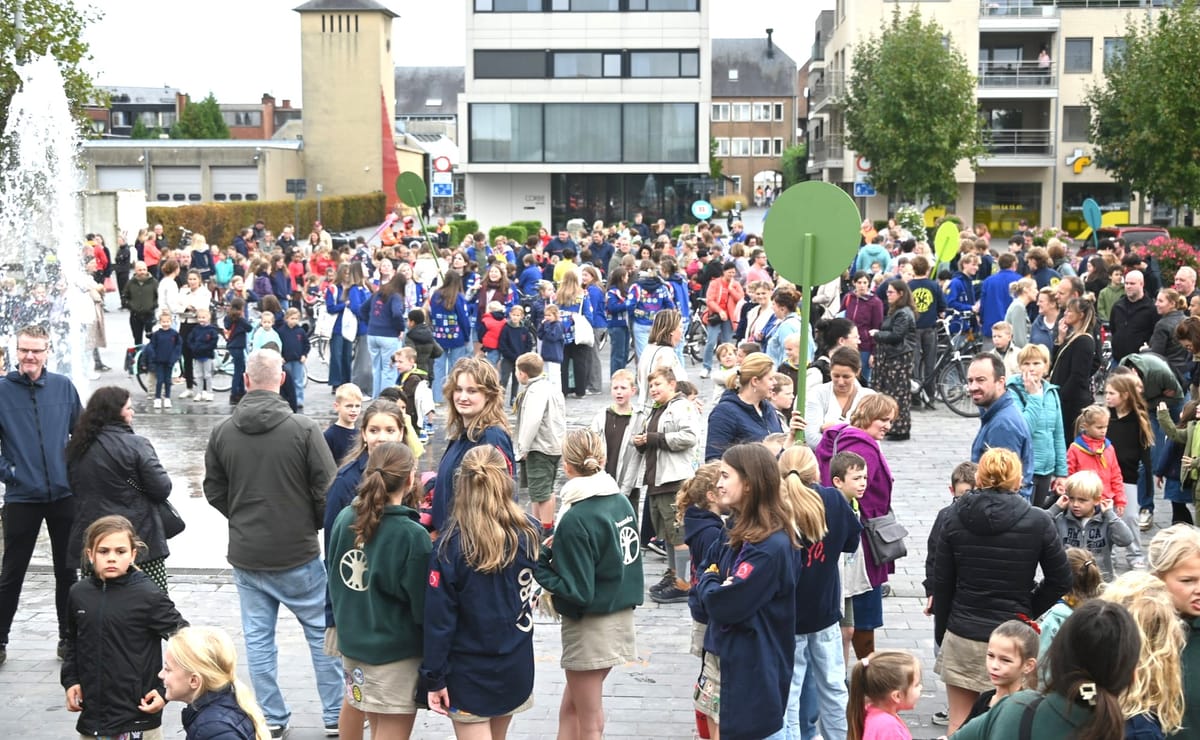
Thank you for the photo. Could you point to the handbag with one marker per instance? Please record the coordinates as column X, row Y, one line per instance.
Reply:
column 885, row 535
column 168, row 515
column 583, row 330
column 349, row 324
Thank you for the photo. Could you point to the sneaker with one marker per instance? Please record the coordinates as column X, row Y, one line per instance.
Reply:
column 158, row 403
column 62, row 649
column 277, row 731
column 942, row 719
column 208, row 396
column 103, row 368
column 331, row 729
column 3, row 654
column 667, row 579
column 656, row 546
column 1145, row 519
column 1137, row 563
column 166, row 403
column 674, row 593
column 185, row 394
column 704, row 373
column 886, row 590
column 593, row 392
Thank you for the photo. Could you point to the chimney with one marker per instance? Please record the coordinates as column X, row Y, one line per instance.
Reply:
column 770, row 44
column 267, row 97
column 286, row 103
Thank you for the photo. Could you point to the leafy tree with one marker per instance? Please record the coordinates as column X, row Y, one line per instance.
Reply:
column 54, row 27
column 201, row 120
column 716, row 167
column 141, row 131
column 795, row 164
column 910, row 109
column 1143, row 123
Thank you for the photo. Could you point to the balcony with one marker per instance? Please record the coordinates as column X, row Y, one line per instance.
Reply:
column 1019, row 15
column 827, row 152
column 828, row 90
column 1017, row 80
column 1019, row 148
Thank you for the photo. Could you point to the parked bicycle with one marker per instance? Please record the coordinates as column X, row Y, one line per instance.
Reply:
column 957, row 343
column 136, row 365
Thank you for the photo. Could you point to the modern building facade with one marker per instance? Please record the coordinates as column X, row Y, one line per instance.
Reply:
column 1038, row 166
column 755, row 94
column 590, row 109
column 258, row 120
column 156, row 107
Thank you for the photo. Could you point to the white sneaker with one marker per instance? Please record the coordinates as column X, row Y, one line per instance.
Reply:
column 208, row 395
column 185, row 394
column 1145, row 519
column 158, row 403
column 166, row 403
column 703, row 374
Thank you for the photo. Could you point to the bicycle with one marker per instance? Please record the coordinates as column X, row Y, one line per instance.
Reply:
column 316, row 369
column 1100, row 377
column 137, row 366
column 957, row 344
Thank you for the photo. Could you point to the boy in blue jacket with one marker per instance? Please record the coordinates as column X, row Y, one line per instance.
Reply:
column 553, row 336
column 515, row 340
column 237, row 332
column 203, row 342
column 163, row 350
column 294, row 346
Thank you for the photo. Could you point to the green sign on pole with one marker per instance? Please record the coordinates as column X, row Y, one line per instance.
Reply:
column 411, row 190
column 810, row 238
column 945, row 242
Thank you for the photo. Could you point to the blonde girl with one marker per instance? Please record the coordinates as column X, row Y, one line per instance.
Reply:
column 1086, row 582
column 478, row 656
column 882, row 684
column 200, row 670
column 1174, row 556
column 117, row 611
column 1012, row 660
column 726, row 365
column 1153, row 705
column 377, row 560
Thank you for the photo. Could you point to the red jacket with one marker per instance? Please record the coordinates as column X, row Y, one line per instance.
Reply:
column 1098, row 456
column 492, row 326
column 724, row 296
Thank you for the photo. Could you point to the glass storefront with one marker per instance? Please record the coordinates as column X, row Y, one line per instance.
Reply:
column 612, row 198
column 1002, row 205
column 1111, row 197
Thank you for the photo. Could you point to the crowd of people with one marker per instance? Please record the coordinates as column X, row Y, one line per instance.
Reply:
column 777, row 525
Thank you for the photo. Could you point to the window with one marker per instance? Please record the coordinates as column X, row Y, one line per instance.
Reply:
column 778, row 111
column 1077, row 56
column 585, row 6
column 722, row 147
column 733, row 75
column 120, row 118
column 689, row 64
column 659, row 132
column 761, row 147
column 506, row 132
column 612, row 65
column 664, row 64
column 777, row 147
column 762, row 111
column 1076, row 120
column 500, row 65
column 737, row 183
column 741, row 111
column 739, row 147
column 583, row 64
column 1113, row 48
column 720, row 112
column 665, row 6
column 508, row 6
column 583, row 132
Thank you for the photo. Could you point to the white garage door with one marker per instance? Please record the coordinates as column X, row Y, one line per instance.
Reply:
column 234, row 183
column 177, row 185
column 120, row 178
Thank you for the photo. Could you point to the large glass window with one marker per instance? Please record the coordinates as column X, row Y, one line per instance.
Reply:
column 720, row 111
column 664, row 64
column 1076, row 120
column 664, row 5
column 741, row 111
column 660, row 132
column 506, row 132
column 739, row 147
column 500, row 65
column 762, row 111
column 1111, row 197
column 585, row 6
column 508, row 6
column 1002, row 205
column 583, row 133
column 1077, row 56
column 578, row 64
column 761, row 147
column 1113, row 48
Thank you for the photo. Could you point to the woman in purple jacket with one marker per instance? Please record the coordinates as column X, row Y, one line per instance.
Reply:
column 865, row 309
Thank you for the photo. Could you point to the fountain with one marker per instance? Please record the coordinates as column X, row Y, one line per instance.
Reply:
column 40, row 223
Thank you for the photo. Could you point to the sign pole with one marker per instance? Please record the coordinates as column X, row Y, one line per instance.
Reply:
column 810, row 242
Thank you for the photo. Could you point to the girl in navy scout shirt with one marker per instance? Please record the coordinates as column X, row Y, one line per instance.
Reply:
column 478, row 659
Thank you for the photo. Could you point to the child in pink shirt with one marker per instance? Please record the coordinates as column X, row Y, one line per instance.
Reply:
column 882, row 684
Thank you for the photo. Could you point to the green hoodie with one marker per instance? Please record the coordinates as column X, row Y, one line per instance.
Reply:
column 378, row 591
column 1191, row 680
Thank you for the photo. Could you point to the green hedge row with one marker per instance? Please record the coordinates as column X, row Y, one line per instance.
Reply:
column 460, row 229
column 531, row 227
column 221, row 222
column 514, row 233
column 1189, row 234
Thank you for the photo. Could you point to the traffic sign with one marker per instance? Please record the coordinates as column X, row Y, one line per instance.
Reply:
column 441, row 178
column 864, row 190
column 441, row 164
column 443, row 190
column 702, row 210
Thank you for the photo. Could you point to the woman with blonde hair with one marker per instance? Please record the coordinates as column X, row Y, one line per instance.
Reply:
column 1174, row 558
column 478, row 655
column 1153, row 704
column 200, row 669
column 592, row 567
column 829, row 527
column 744, row 413
column 475, row 417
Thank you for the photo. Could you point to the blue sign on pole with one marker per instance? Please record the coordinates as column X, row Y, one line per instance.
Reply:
column 443, row 190
column 702, row 210
column 864, row 190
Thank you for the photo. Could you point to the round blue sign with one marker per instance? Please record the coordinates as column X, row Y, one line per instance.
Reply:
column 702, row 210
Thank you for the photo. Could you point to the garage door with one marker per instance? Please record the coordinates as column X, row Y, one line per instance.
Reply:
column 177, row 184
column 234, row 183
column 120, row 178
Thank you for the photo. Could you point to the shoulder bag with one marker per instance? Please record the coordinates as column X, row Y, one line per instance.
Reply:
column 885, row 534
column 584, row 334
column 168, row 515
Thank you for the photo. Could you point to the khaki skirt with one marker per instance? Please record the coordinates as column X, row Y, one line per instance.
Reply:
column 382, row 689
column 598, row 641
column 963, row 663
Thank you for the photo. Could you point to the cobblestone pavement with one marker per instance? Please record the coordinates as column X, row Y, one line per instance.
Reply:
column 650, row 698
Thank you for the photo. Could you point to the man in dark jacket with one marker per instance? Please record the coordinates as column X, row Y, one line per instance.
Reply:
column 38, row 410
column 1133, row 317
column 266, row 470
column 141, row 296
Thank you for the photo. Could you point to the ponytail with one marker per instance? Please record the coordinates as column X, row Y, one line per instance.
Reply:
column 805, row 508
column 872, row 679
column 389, row 471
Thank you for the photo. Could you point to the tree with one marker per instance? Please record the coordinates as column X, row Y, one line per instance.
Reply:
column 1143, row 123
column 716, row 166
column 141, row 131
column 910, row 109
column 201, row 120
column 48, row 26
column 795, row 164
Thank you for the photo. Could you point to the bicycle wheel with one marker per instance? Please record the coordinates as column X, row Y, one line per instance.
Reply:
column 222, row 379
column 143, row 372
column 952, row 388
column 694, row 343
column 316, row 369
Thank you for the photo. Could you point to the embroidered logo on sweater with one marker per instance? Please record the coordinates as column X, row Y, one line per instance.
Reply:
column 743, row 571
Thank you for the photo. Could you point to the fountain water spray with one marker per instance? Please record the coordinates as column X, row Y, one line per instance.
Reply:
column 40, row 223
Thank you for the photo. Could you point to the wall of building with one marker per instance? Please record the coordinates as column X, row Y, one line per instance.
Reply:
column 781, row 132
column 499, row 199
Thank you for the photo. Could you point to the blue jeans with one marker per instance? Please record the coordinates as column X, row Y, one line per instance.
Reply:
column 162, row 379
column 866, row 366
column 296, row 369
column 382, row 372
column 618, row 347
column 443, row 365
column 721, row 333
column 302, row 591
column 492, row 356
column 818, row 677
column 641, row 336
column 1162, row 446
column 341, row 351
column 683, row 340
column 238, row 387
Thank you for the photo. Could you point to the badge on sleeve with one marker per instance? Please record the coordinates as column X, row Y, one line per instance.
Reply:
column 743, row 571
column 435, row 578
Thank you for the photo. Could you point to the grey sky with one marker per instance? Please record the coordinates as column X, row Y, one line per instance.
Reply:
column 240, row 49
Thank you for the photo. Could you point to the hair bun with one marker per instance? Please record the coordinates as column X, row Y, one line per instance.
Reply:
column 591, row 463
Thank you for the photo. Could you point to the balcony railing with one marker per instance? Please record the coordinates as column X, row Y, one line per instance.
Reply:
column 828, row 149
column 829, row 89
column 1049, row 8
column 1020, row 142
column 1017, row 74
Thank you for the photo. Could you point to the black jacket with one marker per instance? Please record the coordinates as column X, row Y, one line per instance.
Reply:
column 99, row 479
column 1132, row 325
column 115, row 630
column 987, row 558
column 420, row 338
column 897, row 334
column 217, row 716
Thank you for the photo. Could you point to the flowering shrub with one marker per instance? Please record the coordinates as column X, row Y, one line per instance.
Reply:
column 1043, row 234
column 1171, row 254
column 910, row 219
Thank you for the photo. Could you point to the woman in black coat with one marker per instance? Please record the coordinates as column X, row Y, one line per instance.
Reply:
column 114, row 471
column 895, row 342
column 983, row 574
column 1073, row 357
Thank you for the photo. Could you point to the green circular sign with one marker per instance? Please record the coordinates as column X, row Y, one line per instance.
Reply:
column 410, row 188
column 945, row 241
column 826, row 212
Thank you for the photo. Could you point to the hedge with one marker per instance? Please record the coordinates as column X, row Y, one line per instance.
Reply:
column 531, row 227
column 1189, row 234
column 459, row 230
column 514, row 233
column 221, row 222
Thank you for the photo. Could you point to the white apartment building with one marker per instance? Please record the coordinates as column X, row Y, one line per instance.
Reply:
column 591, row 109
column 1038, row 166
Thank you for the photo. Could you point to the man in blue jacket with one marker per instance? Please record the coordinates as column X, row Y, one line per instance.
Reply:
column 1001, row 423
column 38, row 410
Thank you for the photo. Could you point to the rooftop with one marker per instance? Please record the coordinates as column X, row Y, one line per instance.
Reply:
column 125, row 94
column 755, row 73
column 429, row 90
column 353, row 6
